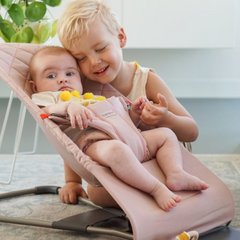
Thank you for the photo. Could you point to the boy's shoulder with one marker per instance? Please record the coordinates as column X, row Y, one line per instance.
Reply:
column 143, row 69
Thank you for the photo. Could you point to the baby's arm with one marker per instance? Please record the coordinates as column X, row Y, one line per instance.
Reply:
column 77, row 113
column 72, row 188
column 136, row 109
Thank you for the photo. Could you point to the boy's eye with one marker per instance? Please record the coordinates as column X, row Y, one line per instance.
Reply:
column 101, row 49
column 81, row 59
column 51, row 76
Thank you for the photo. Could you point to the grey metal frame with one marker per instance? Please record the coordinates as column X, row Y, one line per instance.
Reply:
column 83, row 222
column 20, row 125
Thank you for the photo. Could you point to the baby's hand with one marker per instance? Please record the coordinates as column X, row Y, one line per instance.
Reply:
column 155, row 114
column 70, row 192
column 79, row 114
column 139, row 104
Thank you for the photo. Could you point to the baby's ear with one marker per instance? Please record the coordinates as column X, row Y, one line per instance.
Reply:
column 33, row 86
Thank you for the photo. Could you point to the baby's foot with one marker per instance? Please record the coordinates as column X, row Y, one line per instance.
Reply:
column 164, row 197
column 185, row 181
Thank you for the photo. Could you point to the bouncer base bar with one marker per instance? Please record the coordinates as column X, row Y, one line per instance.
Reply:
column 83, row 222
column 224, row 233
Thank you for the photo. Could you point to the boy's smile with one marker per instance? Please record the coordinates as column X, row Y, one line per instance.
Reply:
column 102, row 72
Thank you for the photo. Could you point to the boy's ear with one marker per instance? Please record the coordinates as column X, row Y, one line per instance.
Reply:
column 122, row 37
column 33, row 86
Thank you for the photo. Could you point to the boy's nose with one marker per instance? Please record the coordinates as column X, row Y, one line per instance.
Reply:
column 95, row 60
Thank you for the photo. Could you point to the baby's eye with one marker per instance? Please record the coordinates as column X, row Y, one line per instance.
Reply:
column 51, row 76
column 69, row 74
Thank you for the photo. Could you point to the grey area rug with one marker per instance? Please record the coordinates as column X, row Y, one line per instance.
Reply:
column 38, row 170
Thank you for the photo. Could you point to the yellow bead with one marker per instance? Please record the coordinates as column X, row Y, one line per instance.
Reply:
column 88, row 96
column 100, row 98
column 65, row 96
column 76, row 94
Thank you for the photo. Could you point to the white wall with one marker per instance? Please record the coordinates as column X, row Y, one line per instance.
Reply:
column 196, row 73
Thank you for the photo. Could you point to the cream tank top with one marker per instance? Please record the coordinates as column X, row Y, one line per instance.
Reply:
column 139, row 82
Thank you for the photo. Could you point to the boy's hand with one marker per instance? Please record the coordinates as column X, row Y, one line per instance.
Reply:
column 79, row 115
column 155, row 114
column 70, row 192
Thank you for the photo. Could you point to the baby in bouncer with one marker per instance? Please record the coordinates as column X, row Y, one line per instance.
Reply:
column 57, row 87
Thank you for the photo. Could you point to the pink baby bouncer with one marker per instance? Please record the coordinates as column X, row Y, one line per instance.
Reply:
column 208, row 212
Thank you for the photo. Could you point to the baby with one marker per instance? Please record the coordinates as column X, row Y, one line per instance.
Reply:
column 54, row 70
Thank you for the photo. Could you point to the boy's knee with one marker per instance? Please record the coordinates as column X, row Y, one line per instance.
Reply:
column 100, row 197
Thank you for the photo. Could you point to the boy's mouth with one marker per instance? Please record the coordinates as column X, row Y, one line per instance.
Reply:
column 102, row 70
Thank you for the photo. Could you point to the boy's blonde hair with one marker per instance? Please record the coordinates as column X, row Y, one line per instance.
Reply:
column 77, row 16
column 49, row 50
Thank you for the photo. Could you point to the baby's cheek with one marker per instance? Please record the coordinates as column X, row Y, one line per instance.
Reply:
column 84, row 68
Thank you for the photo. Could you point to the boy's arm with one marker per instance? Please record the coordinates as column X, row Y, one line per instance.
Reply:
column 176, row 117
column 73, row 187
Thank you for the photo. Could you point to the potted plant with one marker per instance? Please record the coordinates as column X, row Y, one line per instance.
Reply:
column 27, row 21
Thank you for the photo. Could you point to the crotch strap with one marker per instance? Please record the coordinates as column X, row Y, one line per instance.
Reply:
column 111, row 116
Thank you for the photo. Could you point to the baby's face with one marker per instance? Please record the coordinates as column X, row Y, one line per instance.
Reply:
column 57, row 73
column 99, row 53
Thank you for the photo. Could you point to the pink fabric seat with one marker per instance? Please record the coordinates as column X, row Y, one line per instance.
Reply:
column 200, row 211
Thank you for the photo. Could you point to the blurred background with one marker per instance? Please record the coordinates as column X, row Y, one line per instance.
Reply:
column 194, row 46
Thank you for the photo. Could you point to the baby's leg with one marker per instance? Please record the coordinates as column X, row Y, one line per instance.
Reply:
column 120, row 158
column 163, row 144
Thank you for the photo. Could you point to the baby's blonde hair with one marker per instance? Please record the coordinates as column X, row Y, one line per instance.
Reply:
column 78, row 15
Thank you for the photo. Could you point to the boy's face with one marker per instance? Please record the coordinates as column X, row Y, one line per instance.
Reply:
column 99, row 53
column 56, row 73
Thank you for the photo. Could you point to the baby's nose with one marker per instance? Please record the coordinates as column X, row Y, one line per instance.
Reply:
column 63, row 80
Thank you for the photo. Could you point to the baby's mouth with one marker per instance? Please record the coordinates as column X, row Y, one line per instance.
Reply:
column 65, row 88
column 101, row 71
